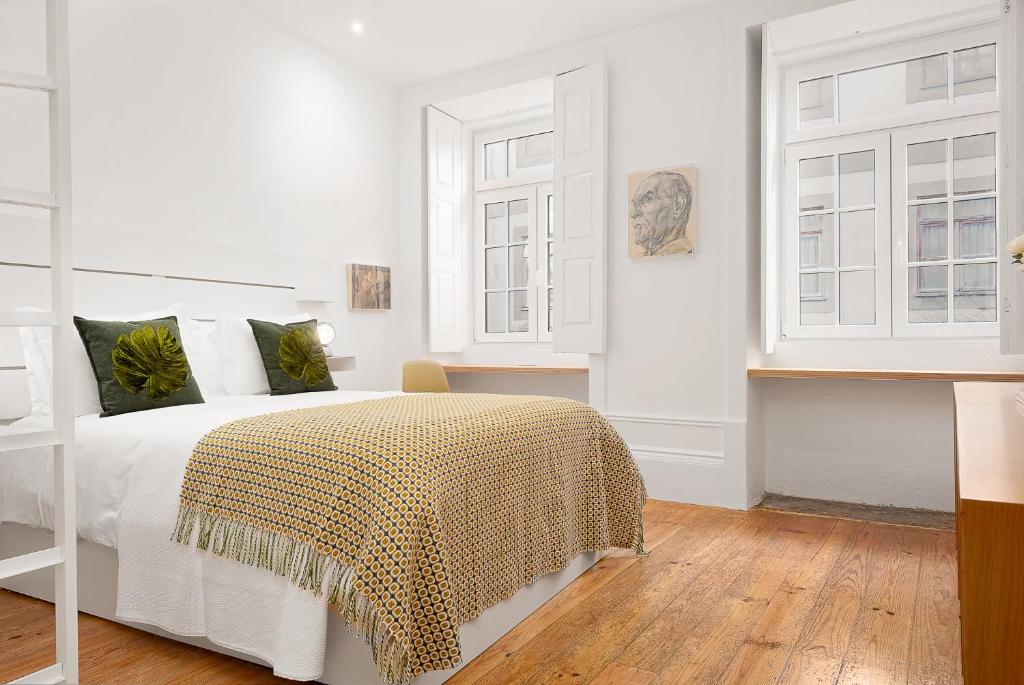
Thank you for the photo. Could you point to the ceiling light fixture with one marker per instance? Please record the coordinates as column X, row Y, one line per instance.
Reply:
column 357, row 28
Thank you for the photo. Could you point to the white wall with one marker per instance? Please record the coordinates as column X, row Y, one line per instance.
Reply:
column 680, row 92
column 875, row 442
column 202, row 122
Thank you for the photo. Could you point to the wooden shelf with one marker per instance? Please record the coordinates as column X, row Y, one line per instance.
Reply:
column 28, row 198
column 20, row 439
column 16, row 79
column 512, row 368
column 341, row 362
column 889, row 375
column 28, row 319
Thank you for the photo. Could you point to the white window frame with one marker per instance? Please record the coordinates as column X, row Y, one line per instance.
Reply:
column 486, row 137
column 891, row 319
column 532, row 195
column 925, row 133
column 534, row 188
column 935, row 110
column 544, row 331
column 791, row 326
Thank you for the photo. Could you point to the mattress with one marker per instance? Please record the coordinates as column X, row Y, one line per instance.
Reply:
column 129, row 473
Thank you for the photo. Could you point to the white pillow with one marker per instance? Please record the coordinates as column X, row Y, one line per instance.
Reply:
column 240, row 358
column 38, row 350
column 200, row 341
column 37, row 365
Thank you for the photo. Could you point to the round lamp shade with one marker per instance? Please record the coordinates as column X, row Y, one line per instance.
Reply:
column 326, row 332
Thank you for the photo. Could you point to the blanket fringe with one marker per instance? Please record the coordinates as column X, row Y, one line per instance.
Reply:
column 639, row 546
column 307, row 569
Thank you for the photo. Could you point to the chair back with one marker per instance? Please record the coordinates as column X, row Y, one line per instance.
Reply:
column 424, row 375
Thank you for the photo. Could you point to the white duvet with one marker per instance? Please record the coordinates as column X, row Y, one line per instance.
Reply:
column 129, row 472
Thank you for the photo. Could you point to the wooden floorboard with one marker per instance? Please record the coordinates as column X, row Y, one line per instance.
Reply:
column 724, row 597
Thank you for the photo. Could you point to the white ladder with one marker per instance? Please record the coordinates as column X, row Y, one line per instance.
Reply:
column 63, row 556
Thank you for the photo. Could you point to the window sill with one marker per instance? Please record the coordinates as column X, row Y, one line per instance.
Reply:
column 887, row 374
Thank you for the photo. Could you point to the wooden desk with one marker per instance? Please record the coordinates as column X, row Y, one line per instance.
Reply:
column 512, row 368
column 989, row 439
column 886, row 374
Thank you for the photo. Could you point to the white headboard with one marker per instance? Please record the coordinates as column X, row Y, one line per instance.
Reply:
column 123, row 273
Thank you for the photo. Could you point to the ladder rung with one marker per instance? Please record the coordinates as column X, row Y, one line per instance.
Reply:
column 46, row 676
column 15, row 79
column 14, row 439
column 33, row 561
column 27, row 198
column 28, row 319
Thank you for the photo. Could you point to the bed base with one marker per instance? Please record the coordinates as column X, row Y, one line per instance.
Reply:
column 347, row 661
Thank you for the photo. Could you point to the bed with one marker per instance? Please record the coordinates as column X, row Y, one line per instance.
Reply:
column 130, row 471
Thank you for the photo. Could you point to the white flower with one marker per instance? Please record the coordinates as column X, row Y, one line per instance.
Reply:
column 1016, row 246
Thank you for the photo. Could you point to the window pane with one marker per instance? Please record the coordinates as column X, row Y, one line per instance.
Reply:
column 857, row 238
column 551, row 263
column 551, row 308
column 495, row 233
column 816, row 241
column 857, row 178
column 495, row 314
column 496, row 271
column 495, row 164
column 817, row 300
column 520, row 270
column 816, row 100
column 926, row 170
column 974, row 164
column 928, row 297
column 974, row 70
column 974, row 295
column 518, row 221
column 975, row 226
column 927, row 238
column 519, row 313
column 815, row 183
column 890, row 88
column 530, row 154
column 551, row 216
column 856, row 298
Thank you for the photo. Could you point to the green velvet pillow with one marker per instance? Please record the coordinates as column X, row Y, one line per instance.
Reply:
column 293, row 357
column 138, row 365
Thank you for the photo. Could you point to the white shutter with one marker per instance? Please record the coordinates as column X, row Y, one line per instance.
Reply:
column 1011, row 176
column 580, row 221
column 444, row 231
column 771, row 180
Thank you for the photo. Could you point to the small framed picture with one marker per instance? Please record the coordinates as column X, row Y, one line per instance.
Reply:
column 369, row 287
column 662, row 212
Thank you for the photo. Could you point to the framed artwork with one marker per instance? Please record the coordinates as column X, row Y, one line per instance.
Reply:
column 369, row 287
column 662, row 212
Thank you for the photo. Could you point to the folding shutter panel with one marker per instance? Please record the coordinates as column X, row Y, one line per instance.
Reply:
column 580, row 221
column 771, row 178
column 444, row 231
column 1011, row 176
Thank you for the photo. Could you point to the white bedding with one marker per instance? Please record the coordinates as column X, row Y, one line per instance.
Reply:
column 129, row 471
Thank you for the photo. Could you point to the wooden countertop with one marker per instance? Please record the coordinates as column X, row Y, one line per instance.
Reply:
column 990, row 442
column 888, row 374
column 512, row 368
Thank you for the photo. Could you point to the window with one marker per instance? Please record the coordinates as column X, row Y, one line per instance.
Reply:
column 945, row 204
column 889, row 204
column 841, row 219
column 514, row 235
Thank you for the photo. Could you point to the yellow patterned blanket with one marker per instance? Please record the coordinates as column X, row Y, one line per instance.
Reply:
column 414, row 513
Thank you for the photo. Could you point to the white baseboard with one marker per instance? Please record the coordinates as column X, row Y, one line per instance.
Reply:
column 683, row 459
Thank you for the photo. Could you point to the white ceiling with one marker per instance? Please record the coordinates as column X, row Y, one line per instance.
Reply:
column 409, row 41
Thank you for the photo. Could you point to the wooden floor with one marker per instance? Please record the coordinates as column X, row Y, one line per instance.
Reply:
column 724, row 597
